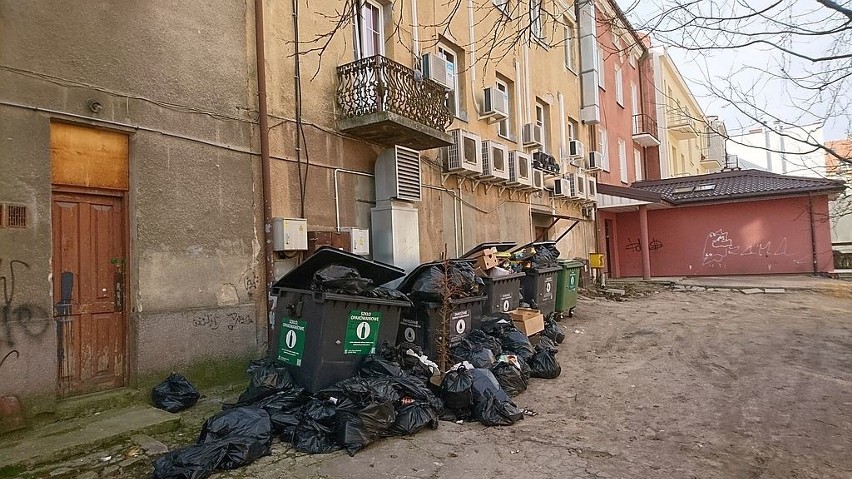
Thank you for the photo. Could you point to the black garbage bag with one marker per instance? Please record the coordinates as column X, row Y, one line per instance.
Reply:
column 474, row 353
column 267, row 377
column 553, row 330
column 250, row 422
column 191, row 462
column 545, row 256
column 491, row 411
column 335, row 278
column 413, row 417
column 517, row 342
column 510, row 378
column 286, row 420
column 375, row 367
column 315, row 432
column 544, row 364
column 174, row 394
column 361, row 390
column 456, row 391
column 526, row 372
column 241, row 451
column 358, row 427
column 484, row 381
column 478, row 336
column 382, row 292
column 460, row 281
column 545, row 344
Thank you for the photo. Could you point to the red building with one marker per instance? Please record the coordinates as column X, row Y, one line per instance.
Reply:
column 733, row 222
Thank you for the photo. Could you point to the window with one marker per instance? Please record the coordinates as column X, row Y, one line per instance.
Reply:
column 572, row 128
column 634, row 98
column 542, row 119
column 369, row 30
column 504, row 126
column 603, row 147
column 622, row 160
column 637, row 164
column 601, row 63
column 502, row 5
column 535, row 20
column 619, row 87
column 568, row 32
column 454, row 97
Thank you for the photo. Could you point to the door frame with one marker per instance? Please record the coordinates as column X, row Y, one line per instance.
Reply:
column 123, row 196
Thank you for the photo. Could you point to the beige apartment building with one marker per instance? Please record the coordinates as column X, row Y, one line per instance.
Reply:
column 686, row 138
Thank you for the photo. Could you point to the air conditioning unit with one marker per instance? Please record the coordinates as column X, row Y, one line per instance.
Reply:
column 593, row 161
column 579, row 187
column 561, row 187
column 532, row 135
column 464, row 156
column 570, row 186
column 438, row 70
column 398, row 174
column 495, row 161
column 576, row 149
column 520, row 169
column 537, row 179
column 496, row 104
column 589, row 211
column 592, row 188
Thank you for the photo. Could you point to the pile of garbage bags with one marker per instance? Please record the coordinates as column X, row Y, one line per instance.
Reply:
column 339, row 279
column 456, row 279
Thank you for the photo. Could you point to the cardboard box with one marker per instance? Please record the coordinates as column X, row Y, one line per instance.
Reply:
column 487, row 259
column 530, row 321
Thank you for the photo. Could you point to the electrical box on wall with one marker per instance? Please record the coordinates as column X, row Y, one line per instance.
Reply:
column 360, row 241
column 289, row 234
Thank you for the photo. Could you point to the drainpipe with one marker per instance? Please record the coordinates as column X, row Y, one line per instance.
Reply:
column 263, row 124
column 813, row 234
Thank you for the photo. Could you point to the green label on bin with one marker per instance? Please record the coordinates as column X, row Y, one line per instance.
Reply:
column 572, row 280
column 362, row 332
column 291, row 341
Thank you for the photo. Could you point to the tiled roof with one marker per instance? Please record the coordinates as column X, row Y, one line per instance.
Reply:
column 737, row 184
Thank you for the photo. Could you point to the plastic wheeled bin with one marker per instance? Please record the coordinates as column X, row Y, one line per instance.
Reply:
column 539, row 283
column 323, row 337
column 421, row 325
column 503, row 293
column 566, row 286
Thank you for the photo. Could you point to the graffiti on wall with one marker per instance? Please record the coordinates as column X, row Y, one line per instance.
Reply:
column 214, row 321
column 718, row 246
column 636, row 246
column 17, row 318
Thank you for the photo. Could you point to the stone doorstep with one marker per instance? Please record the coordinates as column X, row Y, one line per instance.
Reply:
column 86, row 434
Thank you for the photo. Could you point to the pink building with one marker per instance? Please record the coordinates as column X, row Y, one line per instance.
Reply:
column 733, row 222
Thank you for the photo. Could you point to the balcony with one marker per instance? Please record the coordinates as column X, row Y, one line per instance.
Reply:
column 645, row 130
column 385, row 102
column 681, row 124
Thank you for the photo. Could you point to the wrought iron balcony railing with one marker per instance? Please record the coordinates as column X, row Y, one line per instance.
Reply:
column 378, row 84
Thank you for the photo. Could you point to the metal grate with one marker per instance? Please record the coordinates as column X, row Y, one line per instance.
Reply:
column 14, row 216
column 408, row 174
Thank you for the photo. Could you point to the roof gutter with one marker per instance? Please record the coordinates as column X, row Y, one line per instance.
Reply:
column 263, row 124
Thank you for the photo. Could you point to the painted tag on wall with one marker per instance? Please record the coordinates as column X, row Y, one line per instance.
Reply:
column 291, row 341
column 362, row 332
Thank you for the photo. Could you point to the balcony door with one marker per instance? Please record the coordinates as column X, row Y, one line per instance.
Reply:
column 369, row 29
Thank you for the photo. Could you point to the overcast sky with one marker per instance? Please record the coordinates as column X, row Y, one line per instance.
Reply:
column 719, row 67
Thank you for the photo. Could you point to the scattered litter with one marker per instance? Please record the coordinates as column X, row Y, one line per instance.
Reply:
column 515, row 451
column 106, row 459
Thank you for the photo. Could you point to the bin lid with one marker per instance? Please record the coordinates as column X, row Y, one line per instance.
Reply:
column 535, row 243
column 500, row 246
column 570, row 263
column 406, row 284
column 302, row 275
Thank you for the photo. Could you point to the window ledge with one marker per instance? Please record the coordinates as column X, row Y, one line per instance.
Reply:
column 571, row 70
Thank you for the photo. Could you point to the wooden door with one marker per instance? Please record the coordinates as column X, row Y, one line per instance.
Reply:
column 609, row 243
column 88, row 288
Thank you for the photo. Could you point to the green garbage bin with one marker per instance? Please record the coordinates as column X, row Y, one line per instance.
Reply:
column 566, row 286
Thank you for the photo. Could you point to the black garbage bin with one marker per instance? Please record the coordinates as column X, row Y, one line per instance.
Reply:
column 503, row 293
column 539, row 283
column 421, row 325
column 323, row 337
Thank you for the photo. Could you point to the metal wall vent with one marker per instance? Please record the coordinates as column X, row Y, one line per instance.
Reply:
column 398, row 174
column 13, row 216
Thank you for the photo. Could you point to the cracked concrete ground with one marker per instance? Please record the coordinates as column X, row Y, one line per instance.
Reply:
column 669, row 385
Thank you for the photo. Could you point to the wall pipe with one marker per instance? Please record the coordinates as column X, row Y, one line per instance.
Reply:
column 263, row 124
column 337, row 192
